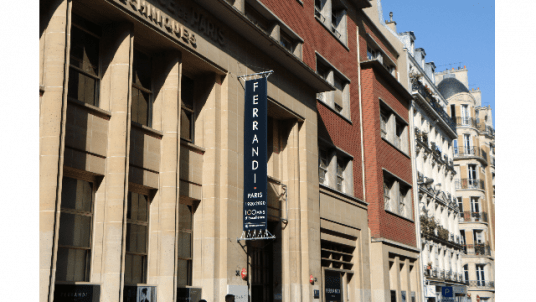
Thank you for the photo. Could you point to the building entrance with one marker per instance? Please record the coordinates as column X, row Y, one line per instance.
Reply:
column 264, row 257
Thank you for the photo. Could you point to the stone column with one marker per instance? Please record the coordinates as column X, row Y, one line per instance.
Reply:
column 207, row 221
column 116, row 95
column 164, row 229
column 54, row 42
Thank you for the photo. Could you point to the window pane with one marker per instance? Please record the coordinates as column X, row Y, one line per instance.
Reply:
column 186, row 118
column 142, row 69
column 184, row 272
column 185, row 217
column 135, row 267
column 71, row 264
column 140, row 106
column 187, row 92
column 76, row 194
column 136, row 238
column 82, row 87
column 185, row 249
column 137, row 207
column 84, row 51
column 74, row 230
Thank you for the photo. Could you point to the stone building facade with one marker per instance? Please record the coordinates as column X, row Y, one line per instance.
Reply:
column 474, row 162
column 141, row 152
column 435, row 132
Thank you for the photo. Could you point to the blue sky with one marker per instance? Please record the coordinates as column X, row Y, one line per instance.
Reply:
column 452, row 32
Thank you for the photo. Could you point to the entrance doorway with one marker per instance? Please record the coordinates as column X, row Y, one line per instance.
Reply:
column 264, row 257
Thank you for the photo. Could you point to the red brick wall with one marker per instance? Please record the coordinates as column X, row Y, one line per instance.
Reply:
column 317, row 38
column 379, row 154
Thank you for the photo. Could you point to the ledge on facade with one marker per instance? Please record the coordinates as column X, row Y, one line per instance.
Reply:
column 341, row 195
column 380, row 69
column 93, row 109
column 400, row 216
column 395, row 244
column 335, row 111
column 361, row 3
column 394, row 146
column 148, row 130
column 243, row 26
column 189, row 145
column 444, row 125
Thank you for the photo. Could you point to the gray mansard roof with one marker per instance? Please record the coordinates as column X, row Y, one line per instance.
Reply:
column 450, row 86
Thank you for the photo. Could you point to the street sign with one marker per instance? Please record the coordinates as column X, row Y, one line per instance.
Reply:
column 447, row 292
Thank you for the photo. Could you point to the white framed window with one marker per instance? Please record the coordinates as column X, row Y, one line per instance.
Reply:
column 478, row 236
column 480, row 275
column 397, row 196
column 475, row 205
column 333, row 15
column 323, row 165
column 335, row 168
column 393, row 128
column 339, row 99
column 466, row 272
column 466, row 115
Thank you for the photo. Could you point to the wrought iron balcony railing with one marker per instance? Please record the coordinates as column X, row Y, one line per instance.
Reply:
column 469, row 184
column 481, row 283
column 469, row 151
column 466, row 122
column 422, row 90
column 478, row 249
column 473, row 216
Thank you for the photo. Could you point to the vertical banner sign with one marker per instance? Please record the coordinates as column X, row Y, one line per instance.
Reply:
column 255, row 156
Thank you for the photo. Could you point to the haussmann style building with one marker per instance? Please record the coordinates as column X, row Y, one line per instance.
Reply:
column 474, row 162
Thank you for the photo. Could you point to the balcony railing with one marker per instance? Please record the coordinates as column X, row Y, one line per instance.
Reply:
column 469, row 184
column 473, row 216
column 466, row 122
column 481, row 283
column 478, row 249
column 419, row 87
column 469, row 151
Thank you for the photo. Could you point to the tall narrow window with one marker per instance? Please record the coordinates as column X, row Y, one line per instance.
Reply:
column 481, row 280
column 473, row 181
column 387, row 196
column 460, row 204
column 475, row 205
column 383, row 124
column 74, row 240
column 453, row 111
column 466, row 272
column 137, row 237
column 455, row 143
column 462, row 234
column 338, row 94
column 185, row 245
column 465, row 115
column 187, row 108
column 478, row 237
column 341, row 165
column 286, row 41
column 323, row 166
column 467, row 143
column 141, row 88
column 84, row 61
